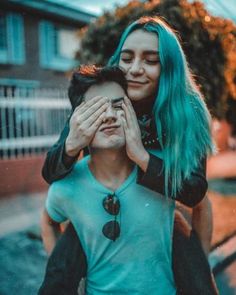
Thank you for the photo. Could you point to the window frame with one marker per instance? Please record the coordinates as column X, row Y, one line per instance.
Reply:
column 14, row 53
column 48, row 58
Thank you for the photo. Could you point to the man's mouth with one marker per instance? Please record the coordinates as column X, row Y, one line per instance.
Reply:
column 109, row 128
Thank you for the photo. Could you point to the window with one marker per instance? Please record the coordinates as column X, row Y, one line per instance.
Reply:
column 58, row 46
column 12, row 39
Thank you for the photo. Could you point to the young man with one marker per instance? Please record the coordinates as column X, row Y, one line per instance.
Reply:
column 68, row 263
column 125, row 229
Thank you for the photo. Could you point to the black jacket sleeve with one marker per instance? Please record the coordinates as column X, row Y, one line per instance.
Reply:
column 57, row 164
column 193, row 189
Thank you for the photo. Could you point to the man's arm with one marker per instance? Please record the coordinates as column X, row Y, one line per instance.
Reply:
column 50, row 231
column 202, row 223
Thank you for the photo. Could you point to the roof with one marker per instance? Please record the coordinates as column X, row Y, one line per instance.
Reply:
column 58, row 9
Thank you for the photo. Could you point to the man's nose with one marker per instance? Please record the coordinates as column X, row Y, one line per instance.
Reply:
column 110, row 114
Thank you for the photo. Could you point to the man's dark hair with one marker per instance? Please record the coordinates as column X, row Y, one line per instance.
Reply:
column 88, row 75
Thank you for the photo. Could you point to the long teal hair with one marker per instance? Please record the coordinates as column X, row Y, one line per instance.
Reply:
column 181, row 116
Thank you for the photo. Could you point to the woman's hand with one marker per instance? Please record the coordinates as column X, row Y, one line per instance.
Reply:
column 85, row 120
column 134, row 146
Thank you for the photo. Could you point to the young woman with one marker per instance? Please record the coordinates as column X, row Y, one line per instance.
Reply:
column 174, row 141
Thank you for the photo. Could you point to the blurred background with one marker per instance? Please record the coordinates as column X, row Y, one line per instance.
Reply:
column 41, row 41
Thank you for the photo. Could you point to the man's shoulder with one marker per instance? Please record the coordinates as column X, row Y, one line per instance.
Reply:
column 81, row 166
column 77, row 174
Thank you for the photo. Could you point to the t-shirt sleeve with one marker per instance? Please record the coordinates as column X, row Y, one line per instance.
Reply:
column 55, row 204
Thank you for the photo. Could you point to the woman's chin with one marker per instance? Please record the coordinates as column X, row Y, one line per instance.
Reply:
column 135, row 96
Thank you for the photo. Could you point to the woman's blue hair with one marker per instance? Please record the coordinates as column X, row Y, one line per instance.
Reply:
column 181, row 116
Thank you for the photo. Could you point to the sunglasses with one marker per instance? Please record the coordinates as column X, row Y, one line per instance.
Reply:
column 111, row 229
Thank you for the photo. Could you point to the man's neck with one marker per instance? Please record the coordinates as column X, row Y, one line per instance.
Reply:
column 110, row 167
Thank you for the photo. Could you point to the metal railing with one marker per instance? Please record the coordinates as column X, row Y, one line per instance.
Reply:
column 30, row 120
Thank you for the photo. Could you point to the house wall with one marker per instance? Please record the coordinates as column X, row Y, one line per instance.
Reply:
column 22, row 174
column 31, row 69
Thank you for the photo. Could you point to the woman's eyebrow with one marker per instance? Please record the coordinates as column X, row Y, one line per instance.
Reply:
column 151, row 52
column 126, row 51
column 156, row 52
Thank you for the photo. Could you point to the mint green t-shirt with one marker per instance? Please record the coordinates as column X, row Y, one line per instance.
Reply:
column 139, row 262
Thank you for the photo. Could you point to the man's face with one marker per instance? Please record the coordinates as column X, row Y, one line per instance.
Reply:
column 110, row 134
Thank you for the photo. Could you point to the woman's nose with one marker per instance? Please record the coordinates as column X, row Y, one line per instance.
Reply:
column 136, row 67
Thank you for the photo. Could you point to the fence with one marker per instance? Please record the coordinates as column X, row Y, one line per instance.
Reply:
column 31, row 120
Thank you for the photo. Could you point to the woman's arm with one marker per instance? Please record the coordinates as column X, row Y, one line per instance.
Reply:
column 57, row 164
column 151, row 169
column 193, row 189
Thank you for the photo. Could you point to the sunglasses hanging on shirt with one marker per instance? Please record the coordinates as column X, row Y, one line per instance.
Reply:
column 111, row 229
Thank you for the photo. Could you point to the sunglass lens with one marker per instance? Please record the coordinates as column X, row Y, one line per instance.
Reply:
column 111, row 204
column 111, row 230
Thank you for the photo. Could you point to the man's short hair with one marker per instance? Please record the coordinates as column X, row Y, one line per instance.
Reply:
column 88, row 75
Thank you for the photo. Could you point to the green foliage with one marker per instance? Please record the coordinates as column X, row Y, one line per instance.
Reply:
column 208, row 42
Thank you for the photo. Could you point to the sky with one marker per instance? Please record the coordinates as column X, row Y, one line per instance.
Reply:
column 93, row 6
column 224, row 8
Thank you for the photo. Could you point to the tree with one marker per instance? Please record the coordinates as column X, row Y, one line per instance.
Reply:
column 208, row 42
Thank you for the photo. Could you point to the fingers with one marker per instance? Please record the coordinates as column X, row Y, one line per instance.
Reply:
column 88, row 112
column 130, row 115
column 95, row 116
column 89, row 102
column 92, row 106
column 96, row 124
column 129, row 106
column 127, row 115
column 124, row 124
column 89, row 107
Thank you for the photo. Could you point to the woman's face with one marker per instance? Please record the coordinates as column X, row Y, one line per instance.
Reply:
column 140, row 62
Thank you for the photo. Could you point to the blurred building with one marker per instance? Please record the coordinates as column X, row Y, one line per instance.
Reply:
column 38, row 42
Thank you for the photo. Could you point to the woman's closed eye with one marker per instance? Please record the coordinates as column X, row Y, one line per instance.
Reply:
column 126, row 56
column 126, row 59
column 152, row 61
column 146, row 60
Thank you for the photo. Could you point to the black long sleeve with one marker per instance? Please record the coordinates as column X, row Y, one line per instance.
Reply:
column 54, row 167
column 193, row 189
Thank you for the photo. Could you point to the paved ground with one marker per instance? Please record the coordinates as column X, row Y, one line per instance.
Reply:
column 22, row 264
column 22, row 257
column 23, row 260
column 20, row 212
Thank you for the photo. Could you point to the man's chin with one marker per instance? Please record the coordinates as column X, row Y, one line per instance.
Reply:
column 109, row 146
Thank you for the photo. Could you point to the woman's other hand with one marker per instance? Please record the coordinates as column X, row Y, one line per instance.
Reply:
column 134, row 146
